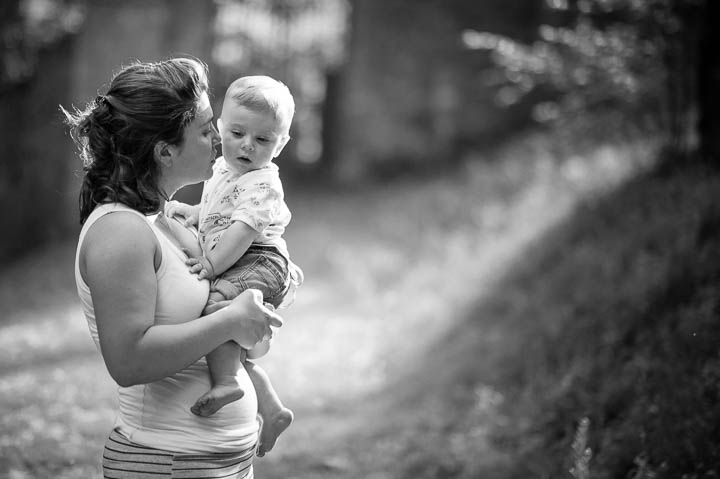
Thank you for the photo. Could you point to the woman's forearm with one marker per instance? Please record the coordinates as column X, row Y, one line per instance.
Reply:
column 163, row 350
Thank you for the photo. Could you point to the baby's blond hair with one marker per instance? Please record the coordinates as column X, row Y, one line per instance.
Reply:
column 263, row 93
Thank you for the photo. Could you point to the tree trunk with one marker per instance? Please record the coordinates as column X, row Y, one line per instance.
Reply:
column 708, row 82
column 34, row 80
column 189, row 30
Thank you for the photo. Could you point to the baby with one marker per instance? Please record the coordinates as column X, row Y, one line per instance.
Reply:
column 241, row 219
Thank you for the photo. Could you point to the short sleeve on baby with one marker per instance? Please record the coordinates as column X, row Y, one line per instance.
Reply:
column 259, row 204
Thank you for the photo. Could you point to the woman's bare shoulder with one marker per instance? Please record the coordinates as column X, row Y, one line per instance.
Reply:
column 121, row 225
column 119, row 236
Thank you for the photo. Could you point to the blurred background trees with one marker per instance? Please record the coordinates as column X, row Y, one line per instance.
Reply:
column 638, row 59
column 385, row 88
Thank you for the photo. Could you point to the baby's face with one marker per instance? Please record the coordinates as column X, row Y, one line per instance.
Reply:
column 250, row 138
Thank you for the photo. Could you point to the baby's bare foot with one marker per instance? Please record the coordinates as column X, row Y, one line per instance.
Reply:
column 272, row 428
column 215, row 398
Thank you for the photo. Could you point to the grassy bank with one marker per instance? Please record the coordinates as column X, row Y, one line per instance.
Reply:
column 627, row 328
column 615, row 317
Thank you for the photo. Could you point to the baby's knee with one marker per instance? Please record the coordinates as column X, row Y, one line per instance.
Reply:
column 260, row 350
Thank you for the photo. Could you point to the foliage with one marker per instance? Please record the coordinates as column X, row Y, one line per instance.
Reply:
column 629, row 339
column 591, row 54
column 29, row 26
column 276, row 31
column 296, row 41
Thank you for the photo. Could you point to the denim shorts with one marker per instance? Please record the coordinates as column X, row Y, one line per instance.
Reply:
column 262, row 267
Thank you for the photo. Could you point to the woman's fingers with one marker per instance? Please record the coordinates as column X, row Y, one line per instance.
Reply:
column 254, row 320
column 266, row 315
column 272, row 318
column 269, row 315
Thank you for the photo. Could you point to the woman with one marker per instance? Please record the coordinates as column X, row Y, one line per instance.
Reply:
column 148, row 136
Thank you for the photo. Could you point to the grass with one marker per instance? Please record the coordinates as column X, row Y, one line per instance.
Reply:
column 627, row 322
column 453, row 327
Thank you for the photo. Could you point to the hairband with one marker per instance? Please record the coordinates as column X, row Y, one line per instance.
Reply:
column 103, row 100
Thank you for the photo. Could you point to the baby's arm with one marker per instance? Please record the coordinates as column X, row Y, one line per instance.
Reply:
column 187, row 239
column 233, row 243
column 191, row 213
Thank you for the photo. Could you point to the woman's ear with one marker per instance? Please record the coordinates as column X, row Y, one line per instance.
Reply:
column 163, row 154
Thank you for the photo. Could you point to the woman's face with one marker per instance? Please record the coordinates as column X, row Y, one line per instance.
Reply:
column 194, row 158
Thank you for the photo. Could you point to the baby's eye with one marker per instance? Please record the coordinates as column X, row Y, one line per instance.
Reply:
column 237, row 133
column 262, row 140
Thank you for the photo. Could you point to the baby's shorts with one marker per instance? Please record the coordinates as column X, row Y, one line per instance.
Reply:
column 262, row 267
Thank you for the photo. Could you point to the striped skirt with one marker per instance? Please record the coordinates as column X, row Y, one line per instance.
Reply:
column 124, row 460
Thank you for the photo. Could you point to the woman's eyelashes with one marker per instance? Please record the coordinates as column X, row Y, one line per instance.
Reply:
column 210, row 130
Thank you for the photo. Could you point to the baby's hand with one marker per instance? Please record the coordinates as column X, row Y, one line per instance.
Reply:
column 173, row 208
column 201, row 266
column 176, row 208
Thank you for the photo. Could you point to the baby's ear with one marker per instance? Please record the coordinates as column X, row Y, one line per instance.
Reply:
column 281, row 144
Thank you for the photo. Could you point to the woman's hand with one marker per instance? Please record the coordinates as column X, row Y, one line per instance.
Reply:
column 251, row 319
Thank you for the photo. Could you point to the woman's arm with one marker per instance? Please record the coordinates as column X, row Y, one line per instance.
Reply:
column 118, row 260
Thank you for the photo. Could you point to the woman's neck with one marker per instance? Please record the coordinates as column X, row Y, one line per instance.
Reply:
column 167, row 189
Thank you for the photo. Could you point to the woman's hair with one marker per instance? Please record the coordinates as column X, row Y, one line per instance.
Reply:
column 117, row 133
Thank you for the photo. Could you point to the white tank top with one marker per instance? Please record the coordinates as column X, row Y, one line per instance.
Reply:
column 158, row 414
